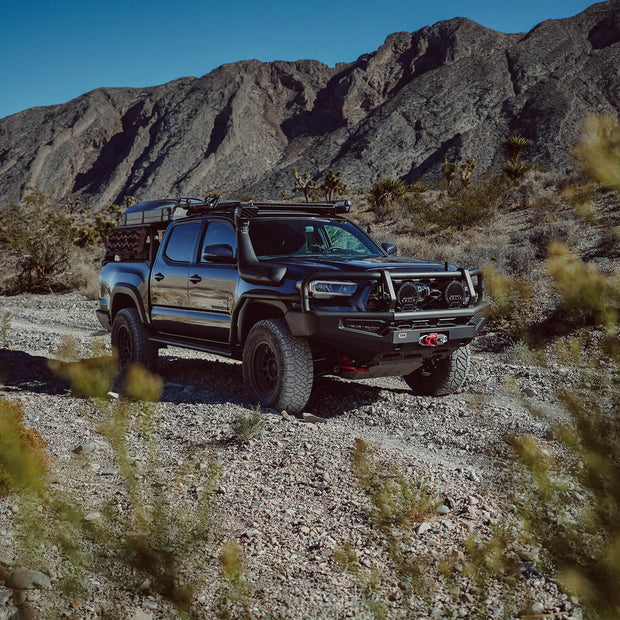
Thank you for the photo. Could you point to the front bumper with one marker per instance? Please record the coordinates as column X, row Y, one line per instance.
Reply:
column 352, row 332
column 367, row 335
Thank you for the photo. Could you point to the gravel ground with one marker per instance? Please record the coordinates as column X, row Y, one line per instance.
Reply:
column 288, row 495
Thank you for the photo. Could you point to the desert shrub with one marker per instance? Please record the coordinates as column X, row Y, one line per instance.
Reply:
column 465, row 208
column 23, row 455
column 466, row 171
column 419, row 187
column 515, row 170
column 248, row 424
column 233, row 602
column 39, row 231
column 542, row 236
column 385, row 192
column 156, row 537
column 598, row 150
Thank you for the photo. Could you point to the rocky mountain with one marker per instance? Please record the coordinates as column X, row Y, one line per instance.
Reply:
column 447, row 91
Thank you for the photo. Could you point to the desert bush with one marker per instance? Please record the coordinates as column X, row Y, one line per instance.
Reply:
column 515, row 170
column 39, row 231
column 465, row 208
column 515, row 146
column 233, row 602
column 248, row 424
column 542, row 236
column 385, row 192
column 155, row 538
column 466, row 170
column 598, row 150
column 24, row 460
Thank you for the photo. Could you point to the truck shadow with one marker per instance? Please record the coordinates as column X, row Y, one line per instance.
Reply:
column 220, row 381
column 22, row 372
column 190, row 380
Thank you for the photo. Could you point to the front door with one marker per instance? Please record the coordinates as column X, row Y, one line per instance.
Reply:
column 212, row 284
column 169, row 279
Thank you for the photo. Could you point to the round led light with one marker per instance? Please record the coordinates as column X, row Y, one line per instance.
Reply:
column 407, row 296
column 455, row 294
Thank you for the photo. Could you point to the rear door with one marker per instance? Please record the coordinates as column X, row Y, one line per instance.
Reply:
column 169, row 279
column 213, row 282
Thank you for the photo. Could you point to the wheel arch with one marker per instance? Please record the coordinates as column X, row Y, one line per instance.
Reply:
column 127, row 296
column 253, row 311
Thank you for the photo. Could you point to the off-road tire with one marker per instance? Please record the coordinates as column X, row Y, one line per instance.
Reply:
column 277, row 367
column 439, row 377
column 130, row 340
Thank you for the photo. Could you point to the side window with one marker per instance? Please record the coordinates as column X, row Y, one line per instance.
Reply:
column 219, row 233
column 181, row 242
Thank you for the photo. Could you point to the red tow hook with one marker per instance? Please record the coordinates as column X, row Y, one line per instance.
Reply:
column 433, row 340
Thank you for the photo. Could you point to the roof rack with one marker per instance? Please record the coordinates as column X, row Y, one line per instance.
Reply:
column 160, row 213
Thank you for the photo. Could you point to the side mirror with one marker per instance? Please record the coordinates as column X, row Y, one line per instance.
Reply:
column 390, row 248
column 218, row 253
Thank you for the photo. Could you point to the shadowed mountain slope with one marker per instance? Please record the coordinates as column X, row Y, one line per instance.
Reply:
column 447, row 91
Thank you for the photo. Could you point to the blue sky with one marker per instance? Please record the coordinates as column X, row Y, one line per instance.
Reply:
column 51, row 52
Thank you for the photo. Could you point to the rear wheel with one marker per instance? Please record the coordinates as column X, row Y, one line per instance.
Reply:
column 440, row 376
column 277, row 367
column 130, row 340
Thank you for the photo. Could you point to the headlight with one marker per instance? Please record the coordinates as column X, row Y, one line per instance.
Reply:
column 326, row 289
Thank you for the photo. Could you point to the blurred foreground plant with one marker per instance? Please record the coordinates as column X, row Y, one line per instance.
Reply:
column 157, row 537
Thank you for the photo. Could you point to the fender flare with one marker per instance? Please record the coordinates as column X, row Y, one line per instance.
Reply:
column 131, row 291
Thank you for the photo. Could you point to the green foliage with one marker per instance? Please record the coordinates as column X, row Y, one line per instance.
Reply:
column 599, row 150
column 234, row 600
column 248, row 424
column 467, row 207
column 39, row 232
column 515, row 146
column 304, row 184
column 587, row 296
column 333, row 186
column 394, row 500
column 385, row 192
column 515, row 170
column 153, row 541
column 23, row 456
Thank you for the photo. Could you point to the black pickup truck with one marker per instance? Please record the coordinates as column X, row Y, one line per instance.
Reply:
column 294, row 290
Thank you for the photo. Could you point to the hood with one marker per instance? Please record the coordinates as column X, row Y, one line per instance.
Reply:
column 301, row 265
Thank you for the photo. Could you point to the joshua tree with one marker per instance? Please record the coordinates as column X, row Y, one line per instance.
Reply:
column 449, row 170
column 333, row 185
column 467, row 169
column 305, row 184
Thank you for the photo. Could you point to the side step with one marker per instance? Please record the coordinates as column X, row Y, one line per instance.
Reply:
column 187, row 344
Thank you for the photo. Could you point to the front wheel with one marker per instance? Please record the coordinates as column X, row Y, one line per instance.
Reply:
column 277, row 367
column 440, row 376
column 130, row 340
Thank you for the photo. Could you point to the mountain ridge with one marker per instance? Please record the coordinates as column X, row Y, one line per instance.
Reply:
column 447, row 91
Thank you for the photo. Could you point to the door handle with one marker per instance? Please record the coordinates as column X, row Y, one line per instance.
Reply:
column 195, row 279
column 159, row 276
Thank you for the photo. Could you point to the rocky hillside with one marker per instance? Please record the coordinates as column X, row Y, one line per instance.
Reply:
column 446, row 91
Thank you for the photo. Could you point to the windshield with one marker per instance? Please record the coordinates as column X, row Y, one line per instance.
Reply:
column 274, row 238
